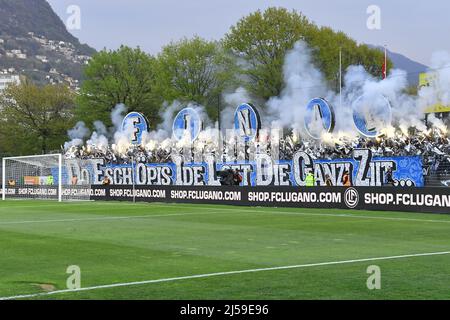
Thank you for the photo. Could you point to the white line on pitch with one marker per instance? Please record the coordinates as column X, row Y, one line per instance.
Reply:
column 226, row 273
column 106, row 218
column 220, row 210
column 344, row 215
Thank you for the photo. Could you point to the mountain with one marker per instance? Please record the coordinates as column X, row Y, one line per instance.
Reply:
column 402, row 62
column 35, row 42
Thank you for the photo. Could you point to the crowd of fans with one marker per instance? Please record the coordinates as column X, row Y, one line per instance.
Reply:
column 433, row 146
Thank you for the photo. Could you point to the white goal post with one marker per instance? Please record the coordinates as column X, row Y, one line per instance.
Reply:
column 33, row 177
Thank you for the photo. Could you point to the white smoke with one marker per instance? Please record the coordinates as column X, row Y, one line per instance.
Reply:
column 360, row 83
column 122, row 135
column 100, row 128
column 232, row 101
column 438, row 91
column 77, row 134
column 117, row 115
column 303, row 81
column 99, row 139
column 163, row 131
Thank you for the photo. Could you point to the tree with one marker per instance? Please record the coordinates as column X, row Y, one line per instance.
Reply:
column 326, row 43
column 124, row 76
column 34, row 119
column 262, row 40
column 194, row 70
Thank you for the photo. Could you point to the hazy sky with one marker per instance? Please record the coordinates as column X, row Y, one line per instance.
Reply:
column 411, row 27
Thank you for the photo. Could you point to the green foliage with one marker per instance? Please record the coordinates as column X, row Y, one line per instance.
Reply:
column 194, row 70
column 34, row 119
column 262, row 40
column 252, row 54
column 124, row 76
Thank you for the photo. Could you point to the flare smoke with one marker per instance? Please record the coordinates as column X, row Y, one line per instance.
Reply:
column 302, row 82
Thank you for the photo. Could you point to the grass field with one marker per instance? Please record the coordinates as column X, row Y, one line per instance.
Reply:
column 219, row 252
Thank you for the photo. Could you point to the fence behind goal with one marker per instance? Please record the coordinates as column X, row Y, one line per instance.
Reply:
column 43, row 177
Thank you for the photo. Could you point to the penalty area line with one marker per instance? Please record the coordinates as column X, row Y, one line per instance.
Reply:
column 226, row 273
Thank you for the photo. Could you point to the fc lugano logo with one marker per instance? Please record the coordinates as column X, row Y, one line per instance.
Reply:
column 351, row 198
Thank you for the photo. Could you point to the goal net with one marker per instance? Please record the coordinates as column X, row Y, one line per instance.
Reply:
column 45, row 177
column 32, row 177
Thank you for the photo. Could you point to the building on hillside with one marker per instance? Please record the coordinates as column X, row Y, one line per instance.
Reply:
column 7, row 79
column 42, row 58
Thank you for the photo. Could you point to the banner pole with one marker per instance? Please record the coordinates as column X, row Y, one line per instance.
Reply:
column 133, row 178
column 3, row 179
column 60, row 178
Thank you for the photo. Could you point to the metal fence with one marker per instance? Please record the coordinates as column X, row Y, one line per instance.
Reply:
column 437, row 174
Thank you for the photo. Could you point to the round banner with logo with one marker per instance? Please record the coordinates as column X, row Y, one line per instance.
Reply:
column 319, row 118
column 372, row 113
column 247, row 122
column 187, row 122
column 137, row 124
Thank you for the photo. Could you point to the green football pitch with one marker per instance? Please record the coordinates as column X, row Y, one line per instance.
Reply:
column 183, row 251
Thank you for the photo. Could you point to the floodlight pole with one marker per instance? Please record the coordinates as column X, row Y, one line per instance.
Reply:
column 218, row 112
column 219, row 127
column 340, row 78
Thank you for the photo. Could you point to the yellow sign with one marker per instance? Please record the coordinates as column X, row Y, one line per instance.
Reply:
column 437, row 108
column 424, row 81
